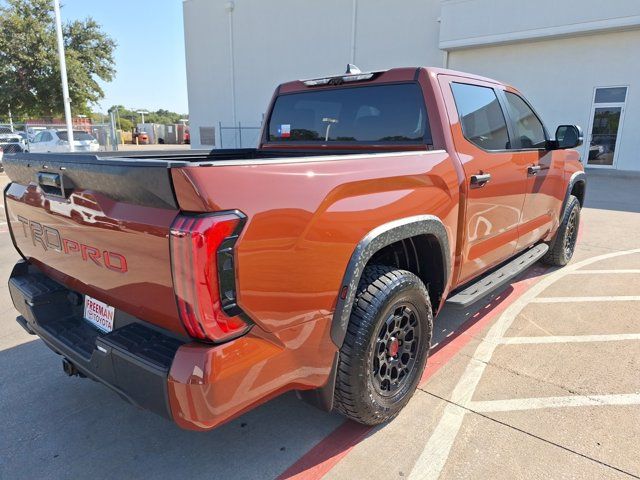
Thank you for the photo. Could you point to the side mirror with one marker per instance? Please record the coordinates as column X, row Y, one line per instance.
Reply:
column 568, row 136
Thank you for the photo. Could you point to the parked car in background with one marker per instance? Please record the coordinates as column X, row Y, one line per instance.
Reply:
column 12, row 143
column 24, row 136
column 33, row 131
column 50, row 141
column 595, row 151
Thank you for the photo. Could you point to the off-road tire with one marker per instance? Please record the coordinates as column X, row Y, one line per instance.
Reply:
column 563, row 245
column 385, row 294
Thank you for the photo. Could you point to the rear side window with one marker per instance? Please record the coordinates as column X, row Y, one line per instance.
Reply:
column 481, row 116
column 528, row 128
column 373, row 114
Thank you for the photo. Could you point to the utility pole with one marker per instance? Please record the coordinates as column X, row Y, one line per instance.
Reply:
column 63, row 74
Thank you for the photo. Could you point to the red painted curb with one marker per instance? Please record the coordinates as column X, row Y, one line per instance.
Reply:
column 326, row 454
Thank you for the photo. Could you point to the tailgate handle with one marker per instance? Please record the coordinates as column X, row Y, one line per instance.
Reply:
column 51, row 183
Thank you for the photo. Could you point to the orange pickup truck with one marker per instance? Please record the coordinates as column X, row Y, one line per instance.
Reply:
column 199, row 285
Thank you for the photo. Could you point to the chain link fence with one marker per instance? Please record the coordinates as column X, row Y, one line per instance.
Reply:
column 24, row 137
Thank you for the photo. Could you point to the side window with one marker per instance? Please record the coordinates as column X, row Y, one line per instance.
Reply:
column 528, row 129
column 481, row 116
column 46, row 137
column 38, row 137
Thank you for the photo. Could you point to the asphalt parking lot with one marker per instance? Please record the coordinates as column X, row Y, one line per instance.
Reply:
column 541, row 381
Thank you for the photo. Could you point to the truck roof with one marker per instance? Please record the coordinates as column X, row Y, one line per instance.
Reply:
column 389, row 75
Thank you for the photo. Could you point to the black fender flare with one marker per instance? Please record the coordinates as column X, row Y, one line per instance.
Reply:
column 577, row 177
column 374, row 241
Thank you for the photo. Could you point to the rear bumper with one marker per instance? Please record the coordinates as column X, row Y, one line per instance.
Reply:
column 133, row 360
column 199, row 386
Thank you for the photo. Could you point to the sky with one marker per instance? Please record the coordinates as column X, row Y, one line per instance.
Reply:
column 150, row 64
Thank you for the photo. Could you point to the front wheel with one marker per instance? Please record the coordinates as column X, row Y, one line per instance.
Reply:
column 386, row 345
column 563, row 244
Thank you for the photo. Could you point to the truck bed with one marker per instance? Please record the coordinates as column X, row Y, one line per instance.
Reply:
column 69, row 214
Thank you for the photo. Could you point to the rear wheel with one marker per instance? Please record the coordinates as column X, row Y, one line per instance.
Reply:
column 563, row 244
column 386, row 345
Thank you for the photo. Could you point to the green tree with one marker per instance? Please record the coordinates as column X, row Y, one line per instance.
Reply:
column 130, row 117
column 164, row 117
column 29, row 68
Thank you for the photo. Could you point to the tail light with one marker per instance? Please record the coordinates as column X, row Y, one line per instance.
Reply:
column 203, row 267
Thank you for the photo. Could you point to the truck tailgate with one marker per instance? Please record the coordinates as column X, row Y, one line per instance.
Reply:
column 98, row 227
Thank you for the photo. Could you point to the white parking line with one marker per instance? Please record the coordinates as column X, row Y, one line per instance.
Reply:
column 569, row 339
column 517, row 404
column 595, row 272
column 628, row 298
column 436, row 452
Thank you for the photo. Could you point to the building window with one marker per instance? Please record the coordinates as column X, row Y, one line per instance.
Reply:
column 481, row 116
column 607, row 116
column 611, row 95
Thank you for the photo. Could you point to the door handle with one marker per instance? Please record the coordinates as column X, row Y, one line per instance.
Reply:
column 480, row 179
column 533, row 169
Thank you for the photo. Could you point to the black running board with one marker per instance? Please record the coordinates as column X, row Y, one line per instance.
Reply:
column 488, row 283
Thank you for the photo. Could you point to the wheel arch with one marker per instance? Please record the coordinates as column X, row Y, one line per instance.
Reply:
column 425, row 243
column 384, row 236
column 577, row 187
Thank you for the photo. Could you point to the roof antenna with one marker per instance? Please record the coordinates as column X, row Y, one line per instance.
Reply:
column 352, row 69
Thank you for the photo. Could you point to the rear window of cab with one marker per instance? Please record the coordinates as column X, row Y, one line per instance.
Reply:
column 378, row 114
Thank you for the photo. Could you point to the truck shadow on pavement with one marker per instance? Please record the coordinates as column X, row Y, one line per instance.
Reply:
column 55, row 426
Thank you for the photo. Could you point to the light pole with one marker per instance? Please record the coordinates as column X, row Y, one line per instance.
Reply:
column 63, row 74
column 354, row 30
column 230, row 7
column 142, row 112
